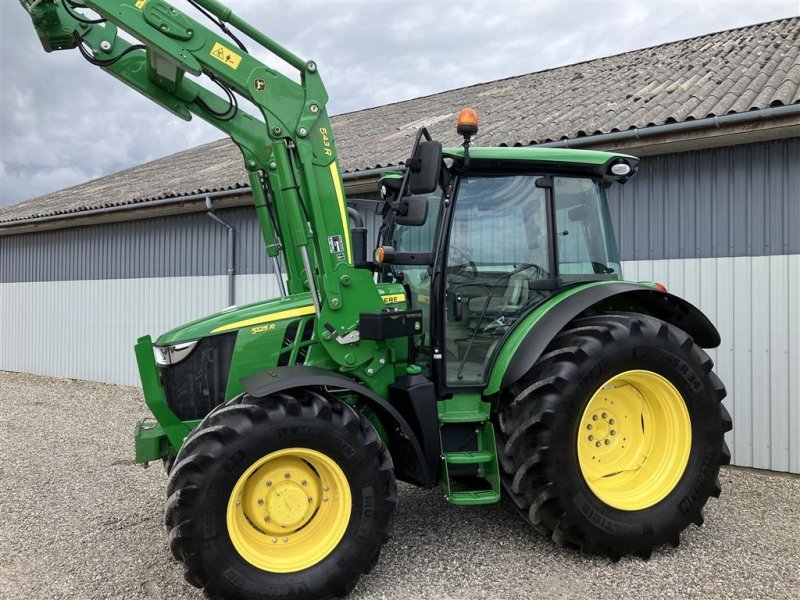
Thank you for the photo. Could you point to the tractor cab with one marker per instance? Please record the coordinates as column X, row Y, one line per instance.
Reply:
column 497, row 233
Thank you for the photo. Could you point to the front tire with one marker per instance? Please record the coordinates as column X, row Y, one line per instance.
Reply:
column 613, row 441
column 289, row 496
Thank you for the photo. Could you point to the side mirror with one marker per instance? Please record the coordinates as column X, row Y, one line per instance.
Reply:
column 424, row 168
column 412, row 210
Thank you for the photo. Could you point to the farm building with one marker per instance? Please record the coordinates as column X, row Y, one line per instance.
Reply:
column 714, row 213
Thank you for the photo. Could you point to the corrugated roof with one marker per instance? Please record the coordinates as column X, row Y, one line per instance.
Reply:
column 733, row 71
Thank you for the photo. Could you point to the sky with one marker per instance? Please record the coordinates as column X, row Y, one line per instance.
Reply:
column 64, row 122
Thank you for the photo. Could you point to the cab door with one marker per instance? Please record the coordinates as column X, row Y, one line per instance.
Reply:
column 496, row 248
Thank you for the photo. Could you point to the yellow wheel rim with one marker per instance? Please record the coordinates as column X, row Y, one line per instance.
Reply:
column 634, row 440
column 289, row 510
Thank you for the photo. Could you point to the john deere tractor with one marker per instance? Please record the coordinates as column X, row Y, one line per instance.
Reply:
column 490, row 345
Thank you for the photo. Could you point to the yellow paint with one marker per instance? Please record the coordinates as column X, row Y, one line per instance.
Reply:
column 263, row 328
column 634, row 440
column 393, row 298
column 288, row 314
column 140, row 4
column 226, row 56
column 326, row 141
column 289, row 510
column 278, row 316
column 337, row 184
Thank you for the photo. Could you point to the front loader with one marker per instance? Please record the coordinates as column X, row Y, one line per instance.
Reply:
column 490, row 344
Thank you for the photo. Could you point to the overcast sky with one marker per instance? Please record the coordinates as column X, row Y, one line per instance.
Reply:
column 64, row 122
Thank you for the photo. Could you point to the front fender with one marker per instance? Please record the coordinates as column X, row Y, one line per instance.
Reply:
column 409, row 459
column 528, row 340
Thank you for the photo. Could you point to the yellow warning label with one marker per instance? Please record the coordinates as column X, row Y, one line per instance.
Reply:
column 223, row 55
column 140, row 4
column 393, row 298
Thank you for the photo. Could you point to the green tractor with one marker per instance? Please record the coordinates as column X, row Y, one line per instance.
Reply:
column 489, row 345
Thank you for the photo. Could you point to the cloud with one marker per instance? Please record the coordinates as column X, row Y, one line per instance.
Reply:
column 63, row 121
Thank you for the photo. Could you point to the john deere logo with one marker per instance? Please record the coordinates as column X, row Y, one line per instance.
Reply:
column 260, row 85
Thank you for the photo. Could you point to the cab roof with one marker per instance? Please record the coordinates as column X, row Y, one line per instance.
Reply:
column 534, row 154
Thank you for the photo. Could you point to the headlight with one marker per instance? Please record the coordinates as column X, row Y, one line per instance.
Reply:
column 172, row 355
column 621, row 169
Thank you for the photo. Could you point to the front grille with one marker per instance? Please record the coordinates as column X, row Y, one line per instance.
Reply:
column 197, row 384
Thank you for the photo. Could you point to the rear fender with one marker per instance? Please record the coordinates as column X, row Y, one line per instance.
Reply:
column 528, row 341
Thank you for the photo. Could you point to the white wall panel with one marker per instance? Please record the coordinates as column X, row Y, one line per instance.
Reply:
column 755, row 304
column 87, row 329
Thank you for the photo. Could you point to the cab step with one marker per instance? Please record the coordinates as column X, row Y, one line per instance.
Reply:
column 468, row 458
column 463, row 408
column 474, row 498
column 469, row 455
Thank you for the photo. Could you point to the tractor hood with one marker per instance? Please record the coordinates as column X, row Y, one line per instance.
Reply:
column 236, row 317
column 266, row 311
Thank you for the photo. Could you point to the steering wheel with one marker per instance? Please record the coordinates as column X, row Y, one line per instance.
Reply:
column 460, row 261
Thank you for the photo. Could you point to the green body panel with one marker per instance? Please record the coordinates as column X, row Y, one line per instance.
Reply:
column 260, row 330
column 151, row 441
column 548, row 155
column 514, row 339
column 154, row 395
column 226, row 320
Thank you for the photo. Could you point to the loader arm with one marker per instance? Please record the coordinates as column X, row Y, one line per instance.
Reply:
column 288, row 149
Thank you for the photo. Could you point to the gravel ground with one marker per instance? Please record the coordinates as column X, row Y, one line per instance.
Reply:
column 78, row 519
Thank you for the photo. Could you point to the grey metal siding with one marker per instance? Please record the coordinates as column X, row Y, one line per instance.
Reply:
column 733, row 201
column 175, row 246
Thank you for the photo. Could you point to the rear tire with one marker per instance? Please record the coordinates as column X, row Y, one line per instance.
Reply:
column 217, row 499
column 543, row 420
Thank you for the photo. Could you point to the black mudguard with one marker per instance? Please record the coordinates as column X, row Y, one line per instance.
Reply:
column 629, row 297
column 409, row 459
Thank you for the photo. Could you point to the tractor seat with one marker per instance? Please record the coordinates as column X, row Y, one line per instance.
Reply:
column 516, row 295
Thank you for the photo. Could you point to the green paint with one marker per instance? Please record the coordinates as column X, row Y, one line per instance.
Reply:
column 566, row 155
column 175, row 430
column 512, row 343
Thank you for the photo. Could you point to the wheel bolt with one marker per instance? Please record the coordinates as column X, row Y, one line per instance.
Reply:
column 285, row 540
column 287, row 475
column 613, row 432
column 324, row 498
column 325, row 488
column 261, row 501
column 605, row 415
column 266, row 519
column 310, row 500
column 611, row 421
column 594, row 417
column 589, row 427
column 269, row 483
column 597, row 444
column 274, row 540
column 591, row 438
column 304, row 482
column 608, row 442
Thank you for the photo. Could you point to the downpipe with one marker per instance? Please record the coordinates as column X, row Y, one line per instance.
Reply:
column 231, row 249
